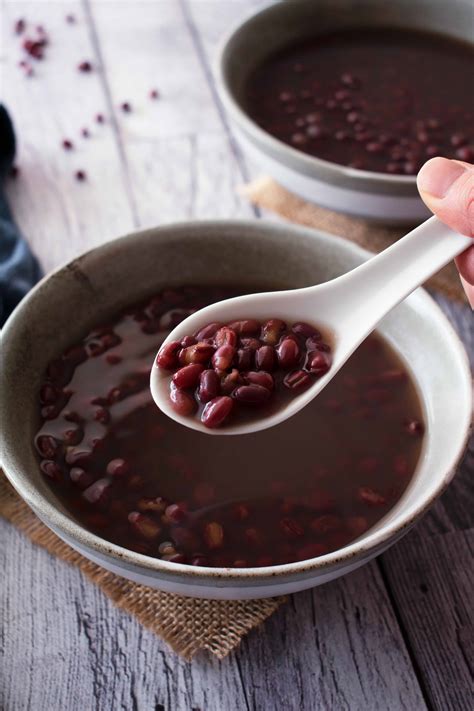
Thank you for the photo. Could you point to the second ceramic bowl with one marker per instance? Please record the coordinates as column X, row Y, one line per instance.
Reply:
column 391, row 199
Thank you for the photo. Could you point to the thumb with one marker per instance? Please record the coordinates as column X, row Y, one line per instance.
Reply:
column 447, row 188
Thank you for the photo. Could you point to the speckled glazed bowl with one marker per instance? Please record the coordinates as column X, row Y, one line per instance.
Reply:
column 66, row 304
column 391, row 199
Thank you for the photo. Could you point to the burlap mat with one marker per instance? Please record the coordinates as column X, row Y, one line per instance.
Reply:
column 186, row 624
column 267, row 194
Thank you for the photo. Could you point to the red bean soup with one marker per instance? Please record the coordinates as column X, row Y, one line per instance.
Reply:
column 382, row 100
column 243, row 369
column 299, row 490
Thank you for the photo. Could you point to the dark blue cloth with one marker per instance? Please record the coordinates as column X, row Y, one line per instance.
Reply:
column 19, row 269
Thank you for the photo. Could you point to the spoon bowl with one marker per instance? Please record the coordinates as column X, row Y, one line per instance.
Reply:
column 348, row 307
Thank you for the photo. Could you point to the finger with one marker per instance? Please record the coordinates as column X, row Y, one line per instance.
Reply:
column 447, row 188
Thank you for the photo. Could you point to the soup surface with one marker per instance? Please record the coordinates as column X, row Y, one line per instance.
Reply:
column 384, row 100
column 296, row 491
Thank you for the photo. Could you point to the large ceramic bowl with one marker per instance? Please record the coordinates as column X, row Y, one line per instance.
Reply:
column 376, row 196
column 90, row 289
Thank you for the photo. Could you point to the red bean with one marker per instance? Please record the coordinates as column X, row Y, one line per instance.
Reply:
column 272, row 330
column 167, row 357
column 240, row 512
column 245, row 327
column 304, row 330
column 188, row 377
column 350, row 80
column 175, row 513
column 465, row 153
column 80, row 477
column 199, row 560
column 175, row 558
column 262, row 378
column 214, row 535
column 225, row 337
column 118, row 467
column 182, row 402
column 371, row 497
column 49, row 412
column 223, row 357
column 458, row 139
column 217, row 411
column 98, row 492
column 297, row 380
column 188, row 341
column 315, row 131
column 288, row 353
column 157, row 505
column 298, row 139
column 48, row 394
column 209, row 385
column 47, row 446
column 144, row 525
column 208, row 331
column 199, row 353
column 251, row 394
column 251, row 343
column 230, row 381
column 265, row 358
column 291, row 528
column 166, row 548
column 286, row 96
column 243, row 359
column 318, row 362
column 414, row 428
column 51, row 469
column 78, row 455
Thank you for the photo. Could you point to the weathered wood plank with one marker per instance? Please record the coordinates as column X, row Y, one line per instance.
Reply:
column 60, row 216
column 432, row 580
column 64, row 646
column 335, row 647
column 176, row 148
column 146, row 45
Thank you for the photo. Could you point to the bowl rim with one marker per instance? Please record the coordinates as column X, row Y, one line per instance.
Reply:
column 308, row 165
column 365, row 546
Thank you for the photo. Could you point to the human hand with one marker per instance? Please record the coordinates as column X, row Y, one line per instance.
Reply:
column 447, row 188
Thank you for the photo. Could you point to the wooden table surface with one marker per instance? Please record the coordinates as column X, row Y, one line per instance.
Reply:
column 392, row 635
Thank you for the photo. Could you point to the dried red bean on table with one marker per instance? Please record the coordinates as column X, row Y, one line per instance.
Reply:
column 215, row 369
column 136, row 478
column 364, row 99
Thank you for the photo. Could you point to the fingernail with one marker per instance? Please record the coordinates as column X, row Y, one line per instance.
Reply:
column 438, row 175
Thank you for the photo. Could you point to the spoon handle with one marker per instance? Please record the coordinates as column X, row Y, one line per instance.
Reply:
column 382, row 282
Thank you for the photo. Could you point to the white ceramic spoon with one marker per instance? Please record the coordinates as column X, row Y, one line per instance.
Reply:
column 349, row 307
